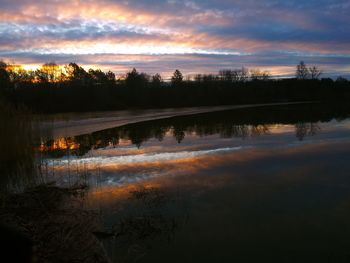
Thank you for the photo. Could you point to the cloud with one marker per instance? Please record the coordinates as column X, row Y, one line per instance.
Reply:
column 262, row 33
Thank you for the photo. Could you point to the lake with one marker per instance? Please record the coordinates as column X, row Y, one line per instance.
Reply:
column 246, row 185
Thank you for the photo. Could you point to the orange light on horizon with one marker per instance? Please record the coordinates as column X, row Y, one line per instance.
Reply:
column 59, row 144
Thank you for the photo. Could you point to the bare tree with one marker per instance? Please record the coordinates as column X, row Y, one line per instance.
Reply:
column 198, row 78
column 257, row 74
column 240, row 75
column 315, row 72
column 49, row 72
column 302, row 71
column 226, row 75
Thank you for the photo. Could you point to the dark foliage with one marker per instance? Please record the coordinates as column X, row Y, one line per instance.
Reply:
column 79, row 90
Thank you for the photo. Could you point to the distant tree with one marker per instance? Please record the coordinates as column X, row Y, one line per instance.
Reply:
column 177, row 78
column 341, row 79
column 240, row 75
column 157, row 80
column 18, row 74
column 198, row 78
column 76, row 73
column 226, row 75
column 49, row 72
column 135, row 79
column 314, row 72
column 111, row 77
column 208, row 78
column 98, row 77
column 257, row 74
column 4, row 76
column 302, row 71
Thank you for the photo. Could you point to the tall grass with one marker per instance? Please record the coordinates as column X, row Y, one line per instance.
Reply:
column 17, row 159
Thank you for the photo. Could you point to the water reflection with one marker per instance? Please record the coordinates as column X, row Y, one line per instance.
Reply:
column 238, row 123
column 147, row 213
column 245, row 185
column 306, row 129
column 186, row 145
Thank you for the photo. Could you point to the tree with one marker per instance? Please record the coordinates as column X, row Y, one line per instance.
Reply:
column 198, row 78
column 226, row 75
column 111, row 77
column 302, row 71
column 315, row 72
column 98, row 77
column 257, row 74
column 157, row 80
column 49, row 72
column 76, row 73
column 135, row 79
column 177, row 78
column 4, row 76
column 240, row 75
column 18, row 74
column 209, row 78
column 341, row 79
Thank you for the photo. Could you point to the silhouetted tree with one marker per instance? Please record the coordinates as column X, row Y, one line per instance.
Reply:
column 302, row 71
column 76, row 73
column 156, row 80
column 198, row 78
column 226, row 75
column 79, row 90
column 177, row 78
column 341, row 79
column 111, row 77
column 314, row 72
column 4, row 76
column 19, row 75
column 49, row 72
column 135, row 79
column 240, row 75
column 257, row 74
column 208, row 78
column 98, row 77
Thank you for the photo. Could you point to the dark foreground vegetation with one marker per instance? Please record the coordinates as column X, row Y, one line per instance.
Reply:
column 53, row 89
column 41, row 222
column 48, row 224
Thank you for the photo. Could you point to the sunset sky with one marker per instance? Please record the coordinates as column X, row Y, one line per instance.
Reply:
column 193, row 36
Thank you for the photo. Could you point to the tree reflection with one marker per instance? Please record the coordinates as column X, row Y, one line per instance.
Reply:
column 306, row 129
column 230, row 124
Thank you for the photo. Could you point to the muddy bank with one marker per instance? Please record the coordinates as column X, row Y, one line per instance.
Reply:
column 52, row 223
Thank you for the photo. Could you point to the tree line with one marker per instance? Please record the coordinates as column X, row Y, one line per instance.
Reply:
column 52, row 88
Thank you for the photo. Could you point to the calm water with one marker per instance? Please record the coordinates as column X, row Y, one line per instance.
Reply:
column 245, row 185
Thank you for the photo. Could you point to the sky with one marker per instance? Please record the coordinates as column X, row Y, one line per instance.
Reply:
column 199, row 36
